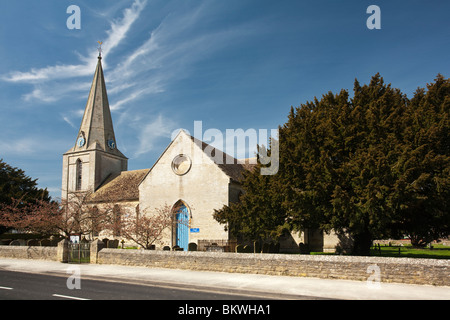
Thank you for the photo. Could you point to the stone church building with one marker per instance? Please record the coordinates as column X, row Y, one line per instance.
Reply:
column 185, row 176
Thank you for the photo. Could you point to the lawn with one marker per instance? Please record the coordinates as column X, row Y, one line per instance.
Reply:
column 437, row 252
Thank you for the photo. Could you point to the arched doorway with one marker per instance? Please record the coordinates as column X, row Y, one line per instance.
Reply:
column 181, row 233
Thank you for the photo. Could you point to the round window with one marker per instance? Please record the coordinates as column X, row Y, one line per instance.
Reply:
column 181, row 164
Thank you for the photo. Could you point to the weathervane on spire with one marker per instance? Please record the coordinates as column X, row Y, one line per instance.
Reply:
column 100, row 49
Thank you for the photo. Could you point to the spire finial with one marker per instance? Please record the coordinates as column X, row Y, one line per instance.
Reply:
column 100, row 49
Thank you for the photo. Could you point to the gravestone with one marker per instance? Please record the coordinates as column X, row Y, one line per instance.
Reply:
column 46, row 243
column 33, row 243
column 304, row 249
column 14, row 243
column 113, row 244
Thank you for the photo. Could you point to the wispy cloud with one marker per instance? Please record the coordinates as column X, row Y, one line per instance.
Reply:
column 161, row 127
column 137, row 93
column 49, row 73
column 18, row 147
column 39, row 95
column 120, row 28
column 168, row 54
column 66, row 119
column 165, row 56
column 30, row 146
column 115, row 35
column 53, row 91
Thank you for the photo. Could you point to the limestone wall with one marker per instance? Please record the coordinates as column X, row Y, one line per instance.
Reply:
column 401, row 270
column 25, row 252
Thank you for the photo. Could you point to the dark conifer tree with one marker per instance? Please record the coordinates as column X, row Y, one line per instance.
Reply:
column 373, row 166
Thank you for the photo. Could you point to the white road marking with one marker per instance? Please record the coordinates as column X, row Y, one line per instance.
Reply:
column 5, row 288
column 69, row 297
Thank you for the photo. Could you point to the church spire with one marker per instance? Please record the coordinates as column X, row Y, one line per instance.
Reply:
column 96, row 130
column 95, row 156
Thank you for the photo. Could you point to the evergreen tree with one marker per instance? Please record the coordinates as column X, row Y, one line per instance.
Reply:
column 422, row 188
column 373, row 166
column 14, row 183
column 258, row 216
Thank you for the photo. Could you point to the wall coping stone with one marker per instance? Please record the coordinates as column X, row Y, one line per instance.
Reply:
column 390, row 269
column 288, row 257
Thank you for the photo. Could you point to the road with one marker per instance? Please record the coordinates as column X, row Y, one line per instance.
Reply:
column 179, row 302
column 28, row 286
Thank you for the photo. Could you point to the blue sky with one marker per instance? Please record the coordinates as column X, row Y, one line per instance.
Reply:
column 228, row 63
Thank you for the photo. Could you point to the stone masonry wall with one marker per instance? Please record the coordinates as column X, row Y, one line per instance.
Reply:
column 400, row 270
column 25, row 252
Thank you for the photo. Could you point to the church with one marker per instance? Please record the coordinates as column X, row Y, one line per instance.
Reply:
column 185, row 176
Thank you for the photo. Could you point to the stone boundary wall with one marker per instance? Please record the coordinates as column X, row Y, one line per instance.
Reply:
column 400, row 270
column 25, row 252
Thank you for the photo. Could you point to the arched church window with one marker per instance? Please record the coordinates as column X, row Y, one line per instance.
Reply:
column 79, row 175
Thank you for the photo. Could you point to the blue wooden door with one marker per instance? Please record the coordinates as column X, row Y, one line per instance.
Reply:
column 182, row 231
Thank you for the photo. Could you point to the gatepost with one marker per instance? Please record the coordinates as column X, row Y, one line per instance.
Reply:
column 63, row 251
column 96, row 246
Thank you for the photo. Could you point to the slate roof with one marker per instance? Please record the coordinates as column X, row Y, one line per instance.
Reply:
column 123, row 186
column 231, row 166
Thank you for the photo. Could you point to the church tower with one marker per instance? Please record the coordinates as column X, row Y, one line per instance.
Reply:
column 94, row 156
